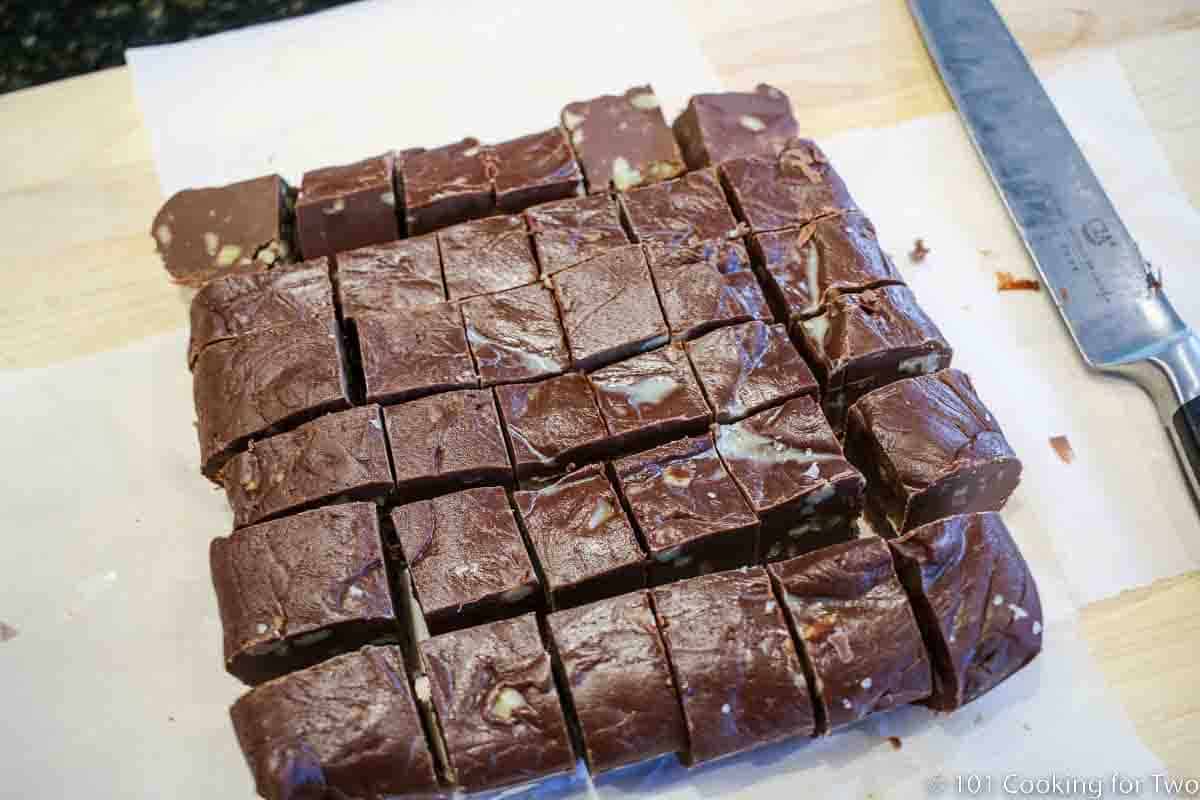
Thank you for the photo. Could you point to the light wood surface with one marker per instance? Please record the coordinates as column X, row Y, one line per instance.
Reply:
column 78, row 273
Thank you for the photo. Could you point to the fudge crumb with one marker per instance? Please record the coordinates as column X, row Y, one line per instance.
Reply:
column 7, row 632
column 1063, row 294
column 1026, row 726
column 895, row 742
column 1007, row 282
column 1153, row 278
column 1062, row 446
column 919, row 251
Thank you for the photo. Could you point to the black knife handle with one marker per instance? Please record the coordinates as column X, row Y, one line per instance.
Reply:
column 1186, row 422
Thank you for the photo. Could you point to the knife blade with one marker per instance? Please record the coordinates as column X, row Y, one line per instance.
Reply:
column 1111, row 300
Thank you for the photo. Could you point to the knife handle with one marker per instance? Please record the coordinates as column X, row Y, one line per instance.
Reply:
column 1185, row 427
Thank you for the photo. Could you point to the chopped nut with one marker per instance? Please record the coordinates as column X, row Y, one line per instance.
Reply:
column 388, row 198
column 422, row 689
column 1062, row 446
column 919, row 251
column 895, row 742
column 644, row 101
column 228, row 255
column 662, row 170
column 624, row 176
column 751, row 123
column 796, row 162
column 471, row 152
column 163, row 234
column 577, row 137
column 507, row 701
column 1007, row 282
column 571, row 120
column 337, row 207
column 212, row 243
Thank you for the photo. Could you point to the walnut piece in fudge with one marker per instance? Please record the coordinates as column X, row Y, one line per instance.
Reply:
column 485, row 256
column 412, row 352
column 698, row 296
column 976, row 601
column 390, row 277
column 533, row 169
column 242, row 227
column 930, row 449
column 794, row 188
column 683, row 212
column 622, row 141
column 570, row 231
column 718, row 127
column 446, row 185
column 516, row 335
column 648, row 399
column 344, row 207
column 551, row 424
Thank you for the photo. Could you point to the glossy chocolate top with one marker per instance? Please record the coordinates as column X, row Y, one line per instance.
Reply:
column 536, row 168
column 486, row 255
column 697, row 297
column 515, row 335
column 447, row 438
column 457, row 175
column 347, row 206
column 718, row 127
column 653, row 392
column 681, row 212
column 412, row 352
column 794, row 188
column 389, row 277
column 570, row 231
column 724, row 255
column 551, row 423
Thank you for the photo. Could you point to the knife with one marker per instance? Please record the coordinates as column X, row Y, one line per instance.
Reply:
column 1110, row 298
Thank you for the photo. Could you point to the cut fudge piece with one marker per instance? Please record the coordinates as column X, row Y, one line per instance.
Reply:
column 242, row 227
column 796, row 187
column 347, row 206
column 515, row 335
column 336, row 456
column 698, row 297
column 390, row 277
column 294, row 591
column 493, row 691
column 649, row 399
column 790, row 467
column 233, row 305
column 725, row 255
column 344, row 728
column 691, row 514
column 570, row 231
column 717, row 127
column 622, row 140
column 551, row 424
column 735, row 666
column 862, row 341
column 533, row 169
column 680, row 213
column 581, row 538
column 614, row 666
column 930, row 449
column 976, row 602
column 263, row 381
column 609, row 308
column 746, row 368
column 856, row 629
column 412, row 352
column 803, row 268
column 466, row 557
column 445, row 442
column 486, row 255
column 446, row 185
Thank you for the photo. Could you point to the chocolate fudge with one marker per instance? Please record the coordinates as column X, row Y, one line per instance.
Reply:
column 717, row 127
column 412, row 352
column 582, row 540
column 609, row 308
column 293, row 591
column 466, row 558
column 344, row 728
column 233, row 305
column 614, row 666
column 335, row 456
column 485, row 256
column 735, row 666
column 680, row 213
column 446, row 185
column 570, row 231
column 497, row 706
column 241, row 227
column 790, row 467
column 551, row 424
column 516, row 335
column 347, row 206
column 746, row 368
column 976, row 602
column 537, row 168
column 390, row 277
column 698, row 297
column 793, row 188
column 622, row 141
column 691, row 514
column 649, row 399
column 725, row 255
column 856, row 630
column 445, row 442
column 263, row 381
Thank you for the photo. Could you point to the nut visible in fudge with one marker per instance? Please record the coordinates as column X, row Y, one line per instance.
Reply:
column 793, row 188
column 650, row 398
column 551, row 424
column 347, row 206
column 516, row 335
column 680, row 213
column 389, row 277
column 538, row 168
column 717, row 127
column 568, row 232
column 412, row 352
column 485, row 256
column 446, row 185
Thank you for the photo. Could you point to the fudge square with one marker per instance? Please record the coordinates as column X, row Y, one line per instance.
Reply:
column 691, row 515
column 796, row 187
column 739, row 679
column 789, row 465
column 486, row 255
column 614, row 666
column 498, row 710
column 390, row 277
column 853, row 621
column 929, row 449
column 746, row 368
column 698, row 296
column 412, row 352
column 445, row 185
column 337, row 455
column 581, row 538
column 551, row 424
column 533, row 169
column 976, row 601
column 718, row 127
column 348, row 206
column 680, row 212
column 570, row 231
column 294, row 591
column 446, row 441
column 347, row 727
column 622, row 141
column 466, row 558
column 609, row 308
column 516, row 335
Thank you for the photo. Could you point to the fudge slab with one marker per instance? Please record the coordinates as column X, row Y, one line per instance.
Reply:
column 411, row 352
column 390, row 277
column 498, row 708
column 739, row 679
column 726, row 255
column 551, row 424
column 698, row 296
column 795, row 187
column 856, row 630
column 516, row 335
column 446, row 185
column 717, row 127
column 614, row 666
column 570, row 231
column 345, row 728
column 976, row 602
column 293, row 591
column 929, row 448
column 346, row 206
column 648, row 399
column 486, row 255
column 337, row 455
column 533, row 169
column 681, row 212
